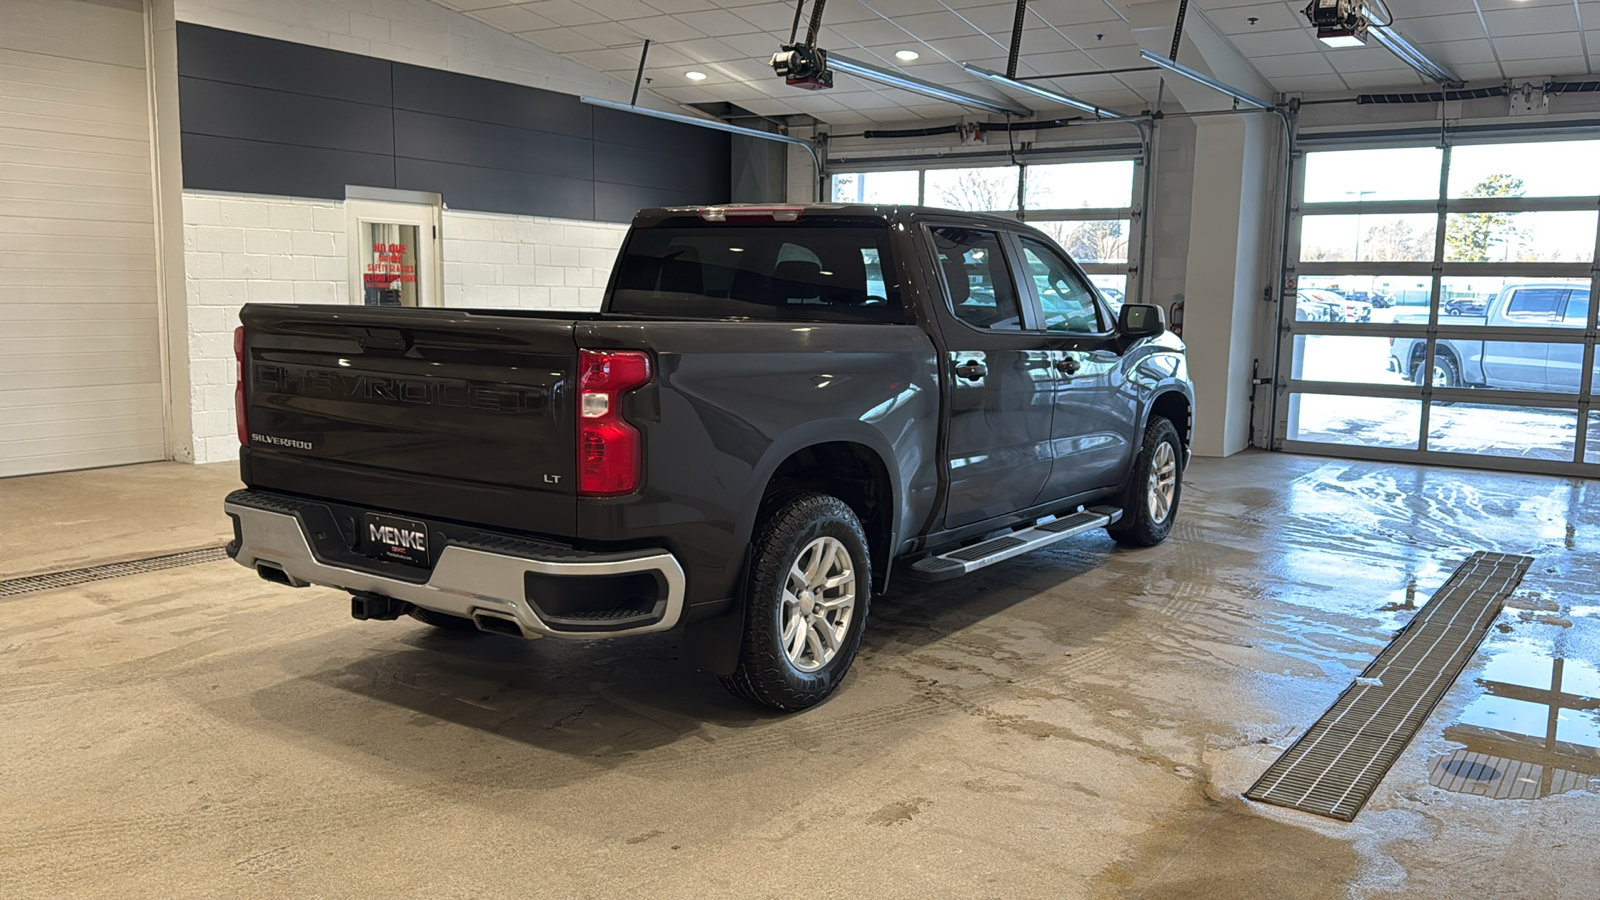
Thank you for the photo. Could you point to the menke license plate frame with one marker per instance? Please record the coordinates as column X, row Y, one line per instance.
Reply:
column 395, row 539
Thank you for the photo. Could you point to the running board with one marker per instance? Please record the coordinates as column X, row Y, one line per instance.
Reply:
column 970, row 559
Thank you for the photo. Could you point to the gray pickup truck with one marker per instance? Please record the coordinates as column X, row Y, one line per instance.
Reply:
column 1507, row 365
column 774, row 407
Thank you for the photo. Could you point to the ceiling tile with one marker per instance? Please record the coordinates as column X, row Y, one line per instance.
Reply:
column 513, row 19
column 993, row 18
column 1494, row 5
column 1538, row 46
column 663, row 29
column 1364, row 59
column 1536, row 20
column 707, row 50
column 1065, row 61
column 929, row 26
column 1268, row 16
column 469, row 5
column 1274, row 43
column 1097, row 34
column 1459, row 52
column 1478, row 71
column 1431, row 29
column 1074, row 12
column 565, row 12
column 1537, row 68
column 1274, row 67
column 605, row 60
column 871, row 34
column 622, row 10
column 1397, row 80
column 753, row 45
column 1310, row 84
column 561, row 40
column 678, row 6
column 609, row 34
column 962, row 49
column 1116, row 57
column 719, row 23
column 841, row 12
column 774, row 18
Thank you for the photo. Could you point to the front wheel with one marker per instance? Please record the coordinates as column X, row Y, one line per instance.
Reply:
column 1150, row 497
column 805, row 600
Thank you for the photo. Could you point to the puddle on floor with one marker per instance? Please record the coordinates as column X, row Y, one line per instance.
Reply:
column 1535, row 731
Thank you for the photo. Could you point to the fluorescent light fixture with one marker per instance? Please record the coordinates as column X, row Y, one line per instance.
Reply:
column 695, row 76
column 1040, row 92
column 906, row 55
column 713, row 124
column 925, row 88
column 1157, row 59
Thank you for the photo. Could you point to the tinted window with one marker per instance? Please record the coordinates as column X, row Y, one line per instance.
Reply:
column 816, row 271
column 981, row 292
column 1536, row 303
column 1067, row 301
column 1578, row 308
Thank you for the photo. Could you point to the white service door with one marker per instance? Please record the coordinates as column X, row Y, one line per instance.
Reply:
column 80, row 361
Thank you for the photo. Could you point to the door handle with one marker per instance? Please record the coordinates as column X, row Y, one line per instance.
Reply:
column 1067, row 366
column 972, row 370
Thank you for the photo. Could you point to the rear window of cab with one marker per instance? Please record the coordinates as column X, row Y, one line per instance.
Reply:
column 816, row 271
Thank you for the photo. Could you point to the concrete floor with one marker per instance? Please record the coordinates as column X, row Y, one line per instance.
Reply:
column 1077, row 723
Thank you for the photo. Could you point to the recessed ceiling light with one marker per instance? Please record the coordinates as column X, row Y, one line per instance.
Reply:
column 695, row 76
column 906, row 55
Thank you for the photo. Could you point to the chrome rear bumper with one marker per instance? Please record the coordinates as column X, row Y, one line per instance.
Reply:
column 467, row 582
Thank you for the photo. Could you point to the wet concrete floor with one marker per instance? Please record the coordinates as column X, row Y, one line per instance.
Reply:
column 1076, row 723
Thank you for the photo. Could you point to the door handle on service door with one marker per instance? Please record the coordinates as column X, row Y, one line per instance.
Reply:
column 972, row 370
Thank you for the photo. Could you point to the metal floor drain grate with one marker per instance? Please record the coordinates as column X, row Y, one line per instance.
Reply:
column 1335, row 766
column 50, row 581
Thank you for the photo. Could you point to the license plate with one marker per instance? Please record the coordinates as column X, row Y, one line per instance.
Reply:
column 394, row 538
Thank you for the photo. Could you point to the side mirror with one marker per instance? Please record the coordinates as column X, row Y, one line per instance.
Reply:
column 1140, row 321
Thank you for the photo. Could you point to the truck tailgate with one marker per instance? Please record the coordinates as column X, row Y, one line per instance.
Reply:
column 442, row 413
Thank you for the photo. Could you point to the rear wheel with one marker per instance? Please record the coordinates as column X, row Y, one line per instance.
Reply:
column 805, row 603
column 1150, row 497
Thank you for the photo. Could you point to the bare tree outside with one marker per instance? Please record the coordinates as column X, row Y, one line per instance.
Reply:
column 1094, row 241
column 973, row 190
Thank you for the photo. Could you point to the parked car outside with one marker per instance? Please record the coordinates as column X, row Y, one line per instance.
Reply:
column 1340, row 308
column 1466, row 306
column 1509, row 365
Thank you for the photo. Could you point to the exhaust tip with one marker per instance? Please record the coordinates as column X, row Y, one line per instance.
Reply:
column 496, row 624
column 270, row 571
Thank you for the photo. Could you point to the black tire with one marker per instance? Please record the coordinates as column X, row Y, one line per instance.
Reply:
column 1446, row 374
column 766, row 673
column 1140, row 525
column 443, row 620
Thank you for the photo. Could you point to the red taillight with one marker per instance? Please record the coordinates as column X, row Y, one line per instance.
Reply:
column 240, row 416
column 609, row 450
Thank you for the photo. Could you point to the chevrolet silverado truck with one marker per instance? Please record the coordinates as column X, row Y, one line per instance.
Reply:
column 773, row 410
column 1524, row 365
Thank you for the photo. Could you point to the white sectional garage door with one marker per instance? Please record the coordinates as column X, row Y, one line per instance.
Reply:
column 80, row 362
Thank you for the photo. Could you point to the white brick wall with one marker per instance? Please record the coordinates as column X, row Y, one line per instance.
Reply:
column 502, row 261
column 246, row 248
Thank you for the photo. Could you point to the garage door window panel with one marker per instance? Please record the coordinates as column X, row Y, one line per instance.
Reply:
column 1528, row 169
column 1376, row 237
column 1387, row 173
column 1547, row 236
column 1520, row 432
column 1091, row 241
column 1378, row 422
column 1086, row 185
column 1348, row 359
column 991, row 189
column 889, row 188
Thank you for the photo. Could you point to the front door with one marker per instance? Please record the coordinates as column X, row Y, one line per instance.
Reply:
column 1000, row 381
column 1092, row 435
column 394, row 253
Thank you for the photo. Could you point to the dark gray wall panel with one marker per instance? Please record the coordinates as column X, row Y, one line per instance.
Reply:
column 272, row 117
column 692, row 169
column 218, row 55
column 484, row 100
column 232, row 110
column 619, row 202
column 255, row 167
column 443, row 139
column 499, row 190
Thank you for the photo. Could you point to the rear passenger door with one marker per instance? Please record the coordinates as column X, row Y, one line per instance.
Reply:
column 1522, row 364
column 1092, row 434
column 999, row 380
